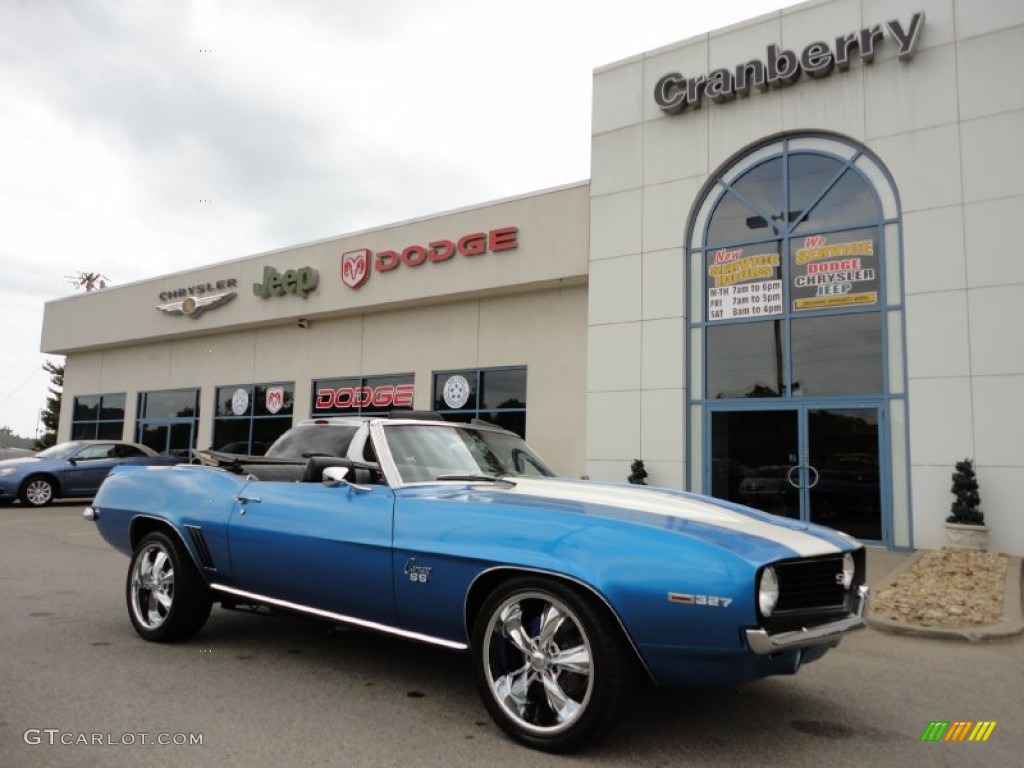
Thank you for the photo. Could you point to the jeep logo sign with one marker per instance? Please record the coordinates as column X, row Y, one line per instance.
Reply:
column 298, row 282
column 675, row 93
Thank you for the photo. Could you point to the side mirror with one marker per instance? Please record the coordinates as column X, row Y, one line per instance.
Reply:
column 335, row 476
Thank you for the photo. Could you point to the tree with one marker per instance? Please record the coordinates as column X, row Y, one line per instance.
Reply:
column 51, row 413
column 91, row 281
column 966, row 510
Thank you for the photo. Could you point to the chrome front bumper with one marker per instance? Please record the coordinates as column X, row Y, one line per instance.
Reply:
column 762, row 642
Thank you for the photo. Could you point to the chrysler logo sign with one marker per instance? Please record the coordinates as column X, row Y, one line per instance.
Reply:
column 193, row 300
column 675, row 92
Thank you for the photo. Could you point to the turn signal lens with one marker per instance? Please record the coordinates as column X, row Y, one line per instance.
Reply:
column 768, row 591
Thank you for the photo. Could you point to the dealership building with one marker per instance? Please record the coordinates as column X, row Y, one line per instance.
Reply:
column 786, row 283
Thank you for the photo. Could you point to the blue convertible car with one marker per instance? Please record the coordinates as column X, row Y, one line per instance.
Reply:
column 564, row 592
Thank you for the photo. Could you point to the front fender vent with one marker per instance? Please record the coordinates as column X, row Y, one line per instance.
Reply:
column 199, row 542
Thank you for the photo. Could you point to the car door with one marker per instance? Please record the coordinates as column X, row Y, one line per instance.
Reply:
column 84, row 471
column 321, row 547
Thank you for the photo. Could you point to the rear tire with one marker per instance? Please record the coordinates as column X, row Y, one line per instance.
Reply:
column 551, row 664
column 167, row 598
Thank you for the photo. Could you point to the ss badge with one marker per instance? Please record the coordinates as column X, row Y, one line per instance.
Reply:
column 419, row 574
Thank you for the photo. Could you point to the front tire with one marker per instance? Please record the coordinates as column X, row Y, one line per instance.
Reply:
column 551, row 664
column 37, row 492
column 167, row 599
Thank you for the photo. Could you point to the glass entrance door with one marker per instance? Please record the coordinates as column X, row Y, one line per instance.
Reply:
column 807, row 463
column 843, row 482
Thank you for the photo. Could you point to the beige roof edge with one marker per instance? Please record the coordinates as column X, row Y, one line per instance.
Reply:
column 342, row 235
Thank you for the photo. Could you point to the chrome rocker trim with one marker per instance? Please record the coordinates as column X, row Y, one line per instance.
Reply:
column 762, row 643
column 341, row 618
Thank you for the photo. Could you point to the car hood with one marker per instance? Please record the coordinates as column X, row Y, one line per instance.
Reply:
column 717, row 522
column 19, row 462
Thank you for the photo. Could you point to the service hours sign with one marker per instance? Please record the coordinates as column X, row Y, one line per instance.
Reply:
column 744, row 283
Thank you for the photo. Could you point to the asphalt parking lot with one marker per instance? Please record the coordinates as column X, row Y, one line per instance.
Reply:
column 79, row 688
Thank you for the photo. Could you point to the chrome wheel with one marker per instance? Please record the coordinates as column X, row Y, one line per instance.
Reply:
column 167, row 597
column 552, row 664
column 539, row 662
column 152, row 586
column 37, row 492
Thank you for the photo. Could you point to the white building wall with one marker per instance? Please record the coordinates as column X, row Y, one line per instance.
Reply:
column 947, row 124
column 543, row 330
column 518, row 307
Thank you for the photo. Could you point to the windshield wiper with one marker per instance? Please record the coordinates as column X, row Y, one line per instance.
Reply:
column 476, row 478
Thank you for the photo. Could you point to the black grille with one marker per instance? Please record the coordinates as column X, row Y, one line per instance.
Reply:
column 811, row 590
column 808, row 584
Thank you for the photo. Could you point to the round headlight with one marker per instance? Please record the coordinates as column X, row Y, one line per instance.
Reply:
column 768, row 591
column 848, row 570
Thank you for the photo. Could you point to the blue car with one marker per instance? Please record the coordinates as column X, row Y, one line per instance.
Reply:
column 564, row 592
column 74, row 469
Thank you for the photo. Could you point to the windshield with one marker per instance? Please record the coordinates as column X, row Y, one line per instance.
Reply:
column 313, row 440
column 60, row 451
column 428, row 452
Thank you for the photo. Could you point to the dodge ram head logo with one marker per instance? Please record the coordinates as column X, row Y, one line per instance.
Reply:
column 275, row 399
column 355, row 267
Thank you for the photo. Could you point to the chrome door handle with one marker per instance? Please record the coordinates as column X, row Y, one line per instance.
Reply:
column 248, row 499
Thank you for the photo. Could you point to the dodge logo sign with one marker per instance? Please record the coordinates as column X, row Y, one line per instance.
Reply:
column 382, row 397
column 355, row 267
column 356, row 264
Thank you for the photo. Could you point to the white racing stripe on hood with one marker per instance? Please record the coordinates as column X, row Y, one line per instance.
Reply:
column 658, row 503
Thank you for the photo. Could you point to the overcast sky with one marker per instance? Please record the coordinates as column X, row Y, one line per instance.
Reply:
column 297, row 120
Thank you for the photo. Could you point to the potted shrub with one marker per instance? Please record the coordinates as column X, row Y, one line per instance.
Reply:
column 965, row 526
column 637, row 473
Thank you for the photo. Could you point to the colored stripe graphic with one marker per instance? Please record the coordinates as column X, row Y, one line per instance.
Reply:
column 958, row 730
column 982, row 731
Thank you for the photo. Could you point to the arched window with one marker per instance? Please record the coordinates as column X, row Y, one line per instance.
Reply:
column 796, row 334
